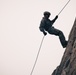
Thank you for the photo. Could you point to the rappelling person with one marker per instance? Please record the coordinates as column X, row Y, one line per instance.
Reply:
column 46, row 26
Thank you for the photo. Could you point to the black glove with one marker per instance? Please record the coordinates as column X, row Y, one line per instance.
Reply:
column 56, row 16
column 45, row 33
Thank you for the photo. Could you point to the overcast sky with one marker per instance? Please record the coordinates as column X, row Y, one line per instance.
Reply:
column 20, row 37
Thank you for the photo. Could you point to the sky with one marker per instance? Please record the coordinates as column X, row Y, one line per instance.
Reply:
column 20, row 36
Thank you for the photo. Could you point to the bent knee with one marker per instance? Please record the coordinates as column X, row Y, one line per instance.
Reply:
column 60, row 33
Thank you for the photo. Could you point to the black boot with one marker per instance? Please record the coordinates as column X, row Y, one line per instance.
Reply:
column 65, row 44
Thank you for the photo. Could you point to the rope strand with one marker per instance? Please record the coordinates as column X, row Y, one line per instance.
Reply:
column 37, row 56
column 64, row 7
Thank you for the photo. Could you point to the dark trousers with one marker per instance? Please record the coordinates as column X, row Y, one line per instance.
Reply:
column 59, row 33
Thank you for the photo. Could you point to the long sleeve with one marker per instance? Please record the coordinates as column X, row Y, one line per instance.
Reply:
column 54, row 19
column 42, row 26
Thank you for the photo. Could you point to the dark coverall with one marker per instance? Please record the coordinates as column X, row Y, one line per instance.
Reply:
column 46, row 25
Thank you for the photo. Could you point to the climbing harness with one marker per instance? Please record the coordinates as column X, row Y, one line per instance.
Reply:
column 42, row 42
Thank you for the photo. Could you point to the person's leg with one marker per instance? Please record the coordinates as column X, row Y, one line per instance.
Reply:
column 62, row 39
column 59, row 33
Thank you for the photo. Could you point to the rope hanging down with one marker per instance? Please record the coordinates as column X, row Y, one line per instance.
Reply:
column 37, row 55
column 42, row 42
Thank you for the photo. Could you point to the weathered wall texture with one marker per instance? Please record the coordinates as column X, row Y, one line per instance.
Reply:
column 68, row 63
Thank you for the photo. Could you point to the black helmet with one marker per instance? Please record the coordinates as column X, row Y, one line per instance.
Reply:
column 47, row 13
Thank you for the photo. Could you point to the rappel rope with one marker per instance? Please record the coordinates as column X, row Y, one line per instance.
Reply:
column 42, row 42
column 37, row 55
column 64, row 7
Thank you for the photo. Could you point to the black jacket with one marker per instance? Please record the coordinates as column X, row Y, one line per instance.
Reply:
column 46, row 24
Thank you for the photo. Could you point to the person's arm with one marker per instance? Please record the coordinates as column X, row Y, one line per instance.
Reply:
column 54, row 19
column 42, row 28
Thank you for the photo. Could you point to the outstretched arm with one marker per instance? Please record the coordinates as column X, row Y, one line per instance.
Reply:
column 55, row 19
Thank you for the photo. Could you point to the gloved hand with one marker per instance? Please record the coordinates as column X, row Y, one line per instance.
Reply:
column 45, row 33
column 56, row 16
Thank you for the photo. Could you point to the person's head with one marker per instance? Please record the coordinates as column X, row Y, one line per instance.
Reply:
column 47, row 14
